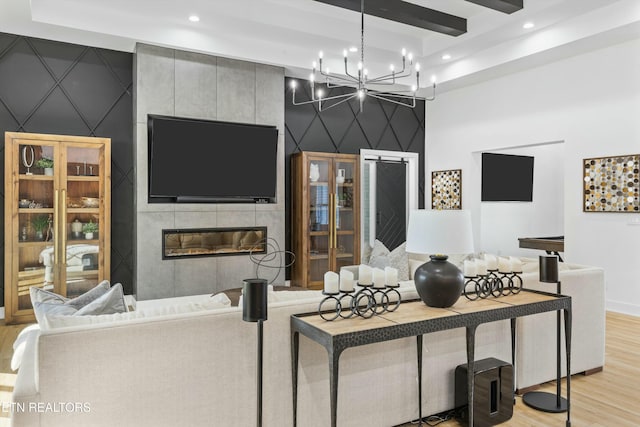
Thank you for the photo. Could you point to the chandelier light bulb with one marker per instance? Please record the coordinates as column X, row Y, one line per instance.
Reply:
column 311, row 77
column 313, row 64
column 320, row 93
column 404, row 52
column 345, row 53
column 359, row 65
column 293, row 84
column 361, row 93
column 320, row 54
column 366, row 72
column 417, row 67
column 414, row 88
column 410, row 57
column 328, row 71
column 433, row 79
column 392, row 68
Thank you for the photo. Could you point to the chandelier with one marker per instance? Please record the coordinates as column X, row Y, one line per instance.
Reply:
column 362, row 84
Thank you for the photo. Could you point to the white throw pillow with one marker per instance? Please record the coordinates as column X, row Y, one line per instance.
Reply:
column 381, row 257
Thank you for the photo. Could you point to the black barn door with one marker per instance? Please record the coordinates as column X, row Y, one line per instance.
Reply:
column 391, row 203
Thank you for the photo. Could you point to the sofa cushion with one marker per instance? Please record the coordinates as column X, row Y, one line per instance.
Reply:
column 102, row 299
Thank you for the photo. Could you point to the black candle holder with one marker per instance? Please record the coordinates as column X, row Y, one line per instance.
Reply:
column 366, row 293
column 366, row 302
column 494, row 283
column 345, row 314
column 337, row 308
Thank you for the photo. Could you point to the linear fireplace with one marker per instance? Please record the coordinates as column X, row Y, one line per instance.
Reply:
column 206, row 242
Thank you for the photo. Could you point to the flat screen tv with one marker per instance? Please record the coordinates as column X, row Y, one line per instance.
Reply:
column 507, row 178
column 203, row 161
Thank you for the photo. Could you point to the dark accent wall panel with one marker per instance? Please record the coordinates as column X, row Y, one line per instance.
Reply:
column 344, row 129
column 62, row 88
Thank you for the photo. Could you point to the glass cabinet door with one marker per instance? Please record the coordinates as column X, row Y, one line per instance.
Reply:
column 34, row 203
column 319, row 218
column 82, row 204
column 345, row 211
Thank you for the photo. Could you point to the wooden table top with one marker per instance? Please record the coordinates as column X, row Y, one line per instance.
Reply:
column 416, row 311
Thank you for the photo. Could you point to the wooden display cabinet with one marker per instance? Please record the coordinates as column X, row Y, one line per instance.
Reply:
column 45, row 211
column 326, row 215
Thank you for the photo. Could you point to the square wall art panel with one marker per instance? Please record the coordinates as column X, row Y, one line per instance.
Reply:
column 612, row 184
column 446, row 189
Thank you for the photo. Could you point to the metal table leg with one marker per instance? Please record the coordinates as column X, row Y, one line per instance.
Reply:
column 471, row 344
column 334, row 358
column 567, row 341
column 419, row 347
column 295, row 345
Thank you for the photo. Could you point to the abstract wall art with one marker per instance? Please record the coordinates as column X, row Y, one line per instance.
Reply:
column 446, row 189
column 612, row 184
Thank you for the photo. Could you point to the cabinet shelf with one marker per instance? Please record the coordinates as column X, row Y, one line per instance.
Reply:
column 315, row 257
column 344, row 255
column 25, row 177
column 83, row 178
column 35, row 211
column 83, row 210
column 34, row 243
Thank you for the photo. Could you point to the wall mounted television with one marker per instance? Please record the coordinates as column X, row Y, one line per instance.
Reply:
column 507, row 178
column 204, row 161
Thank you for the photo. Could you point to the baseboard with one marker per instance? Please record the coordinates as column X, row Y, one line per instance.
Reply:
column 1, row 313
column 623, row 307
column 593, row 371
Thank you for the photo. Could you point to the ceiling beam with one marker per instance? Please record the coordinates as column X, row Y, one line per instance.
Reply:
column 407, row 13
column 506, row 6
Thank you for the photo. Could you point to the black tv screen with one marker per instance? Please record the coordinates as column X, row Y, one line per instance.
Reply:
column 507, row 178
column 193, row 160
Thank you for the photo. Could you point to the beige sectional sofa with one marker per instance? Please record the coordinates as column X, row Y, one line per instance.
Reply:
column 197, row 368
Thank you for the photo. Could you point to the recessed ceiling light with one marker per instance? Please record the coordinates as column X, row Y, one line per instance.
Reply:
column 528, row 25
column 353, row 49
column 194, row 18
column 446, row 56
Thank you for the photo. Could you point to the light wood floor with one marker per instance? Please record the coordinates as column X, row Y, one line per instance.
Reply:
column 606, row 399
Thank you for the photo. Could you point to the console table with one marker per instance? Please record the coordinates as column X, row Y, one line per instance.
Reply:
column 414, row 318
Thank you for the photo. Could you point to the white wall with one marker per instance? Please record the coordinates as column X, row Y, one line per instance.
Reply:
column 501, row 223
column 592, row 103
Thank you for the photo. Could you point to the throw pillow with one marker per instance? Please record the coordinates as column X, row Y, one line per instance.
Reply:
column 381, row 257
column 110, row 302
column 102, row 299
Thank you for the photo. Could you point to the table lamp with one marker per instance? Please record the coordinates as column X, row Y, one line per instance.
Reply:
column 436, row 233
column 543, row 401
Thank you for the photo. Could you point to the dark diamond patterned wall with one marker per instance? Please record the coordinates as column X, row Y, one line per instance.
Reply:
column 61, row 88
column 344, row 129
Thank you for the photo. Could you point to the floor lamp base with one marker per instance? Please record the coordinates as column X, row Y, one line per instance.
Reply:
column 543, row 401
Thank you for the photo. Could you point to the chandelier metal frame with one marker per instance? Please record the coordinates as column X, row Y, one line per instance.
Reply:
column 361, row 82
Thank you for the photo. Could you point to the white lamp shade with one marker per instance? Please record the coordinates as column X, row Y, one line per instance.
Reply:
column 439, row 232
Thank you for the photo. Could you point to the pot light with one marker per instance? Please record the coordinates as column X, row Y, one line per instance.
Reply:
column 528, row 25
column 446, row 56
column 194, row 18
column 353, row 49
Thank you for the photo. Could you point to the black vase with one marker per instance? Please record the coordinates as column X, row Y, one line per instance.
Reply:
column 438, row 282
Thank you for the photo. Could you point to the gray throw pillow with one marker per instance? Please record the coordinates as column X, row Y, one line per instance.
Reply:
column 102, row 299
column 109, row 303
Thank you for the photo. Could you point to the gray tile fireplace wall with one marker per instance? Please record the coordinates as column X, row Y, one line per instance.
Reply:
column 62, row 88
column 177, row 83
